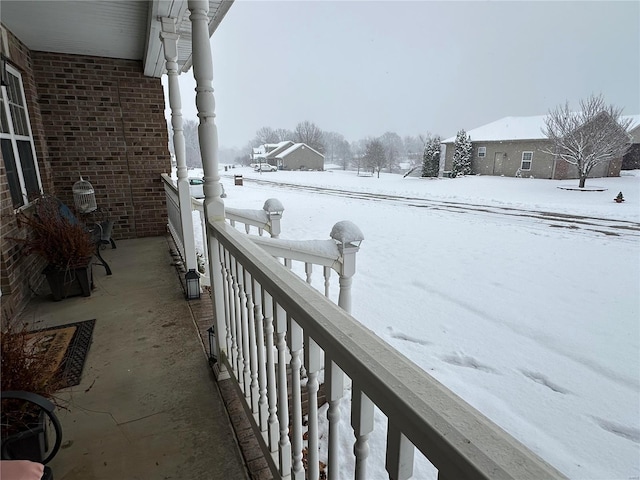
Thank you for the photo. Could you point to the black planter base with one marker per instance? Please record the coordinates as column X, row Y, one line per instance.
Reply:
column 69, row 283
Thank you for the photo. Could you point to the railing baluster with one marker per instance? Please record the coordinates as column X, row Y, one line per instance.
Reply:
column 244, row 328
column 362, row 423
column 283, row 407
column 327, row 276
column 313, row 364
column 399, row 462
column 253, row 347
column 263, row 413
column 247, row 228
column 273, row 427
column 308, row 270
column 232, row 314
column 238, row 318
column 224, row 257
column 334, row 389
column 205, row 244
column 287, row 263
column 295, row 345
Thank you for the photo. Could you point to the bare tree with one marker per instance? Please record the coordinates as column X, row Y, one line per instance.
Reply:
column 393, row 147
column 265, row 135
column 375, row 156
column 358, row 149
column 595, row 134
column 332, row 142
column 309, row 133
column 284, row 134
column 414, row 147
column 344, row 154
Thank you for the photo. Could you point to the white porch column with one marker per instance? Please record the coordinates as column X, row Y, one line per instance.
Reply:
column 169, row 38
column 208, row 139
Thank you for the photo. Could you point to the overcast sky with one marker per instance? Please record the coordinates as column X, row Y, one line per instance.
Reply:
column 362, row 68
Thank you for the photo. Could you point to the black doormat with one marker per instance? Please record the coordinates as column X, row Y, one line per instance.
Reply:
column 66, row 346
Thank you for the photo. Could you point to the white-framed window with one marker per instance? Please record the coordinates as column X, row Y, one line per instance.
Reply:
column 482, row 152
column 527, row 158
column 16, row 141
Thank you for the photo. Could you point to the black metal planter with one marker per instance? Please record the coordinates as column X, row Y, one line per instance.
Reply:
column 70, row 282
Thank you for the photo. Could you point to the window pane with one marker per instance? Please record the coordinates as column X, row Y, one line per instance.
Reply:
column 19, row 121
column 4, row 124
column 12, row 174
column 28, row 168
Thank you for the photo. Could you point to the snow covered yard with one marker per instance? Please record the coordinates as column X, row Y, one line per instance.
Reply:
column 535, row 326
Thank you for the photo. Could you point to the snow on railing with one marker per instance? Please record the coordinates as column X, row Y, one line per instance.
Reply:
column 274, row 322
column 265, row 220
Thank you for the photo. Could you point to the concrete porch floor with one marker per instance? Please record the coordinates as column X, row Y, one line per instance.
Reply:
column 147, row 406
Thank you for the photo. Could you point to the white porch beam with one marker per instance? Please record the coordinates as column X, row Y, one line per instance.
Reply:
column 169, row 38
column 208, row 140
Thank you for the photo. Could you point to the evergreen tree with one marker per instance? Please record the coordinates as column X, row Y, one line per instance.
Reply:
column 462, row 152
column 431, row 157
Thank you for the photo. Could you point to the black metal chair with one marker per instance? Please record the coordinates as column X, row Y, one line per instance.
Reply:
column 100, row 232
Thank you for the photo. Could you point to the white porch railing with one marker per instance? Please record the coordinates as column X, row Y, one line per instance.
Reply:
column 174, row 222
column 275, row 322
column 265, row 220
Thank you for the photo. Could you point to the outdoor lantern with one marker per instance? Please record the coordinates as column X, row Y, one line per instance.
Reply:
column 213, row 349
column 193, row 284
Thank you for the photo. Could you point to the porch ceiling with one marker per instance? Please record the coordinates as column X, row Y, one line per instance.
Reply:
column 114, row 29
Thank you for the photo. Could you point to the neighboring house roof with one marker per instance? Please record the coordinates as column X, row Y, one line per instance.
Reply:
column 279, row 147
column 270, row 150
column 518, row 128
column 295, row 147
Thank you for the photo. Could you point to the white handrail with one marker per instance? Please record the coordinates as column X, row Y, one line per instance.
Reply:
column 457, row 439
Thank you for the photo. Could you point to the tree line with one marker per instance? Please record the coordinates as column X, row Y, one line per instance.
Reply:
column 595, row 134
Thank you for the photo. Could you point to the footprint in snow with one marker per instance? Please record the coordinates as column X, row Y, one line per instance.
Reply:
column 462, row 360
column 407, row 338
column 543, row 380
column 624, row 431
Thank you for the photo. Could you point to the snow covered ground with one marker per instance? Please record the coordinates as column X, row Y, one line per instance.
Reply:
column 534, row 322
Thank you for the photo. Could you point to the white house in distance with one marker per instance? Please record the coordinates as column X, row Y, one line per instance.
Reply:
column 515, row 144
column 288, row 155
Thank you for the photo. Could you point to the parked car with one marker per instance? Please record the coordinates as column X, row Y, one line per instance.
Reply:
column 265, row 167
column 196, row 187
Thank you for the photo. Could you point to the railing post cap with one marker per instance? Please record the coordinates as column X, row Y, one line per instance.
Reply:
column 273, row 205
column 347, row 233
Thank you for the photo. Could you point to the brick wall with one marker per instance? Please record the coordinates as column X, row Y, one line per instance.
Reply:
column 21, row 275
column 103, row 119
column 97, row 116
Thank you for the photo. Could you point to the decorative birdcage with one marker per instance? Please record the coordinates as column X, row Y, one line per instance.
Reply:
column 84, row 196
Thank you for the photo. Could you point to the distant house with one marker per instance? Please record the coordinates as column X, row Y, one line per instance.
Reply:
column 266, row 153
column 289, row 156
column 513, row 145
column 300, row 156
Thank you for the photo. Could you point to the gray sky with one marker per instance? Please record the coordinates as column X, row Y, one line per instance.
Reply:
column 362, row 68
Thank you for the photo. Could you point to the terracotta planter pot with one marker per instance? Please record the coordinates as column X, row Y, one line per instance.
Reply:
column 70, row 282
